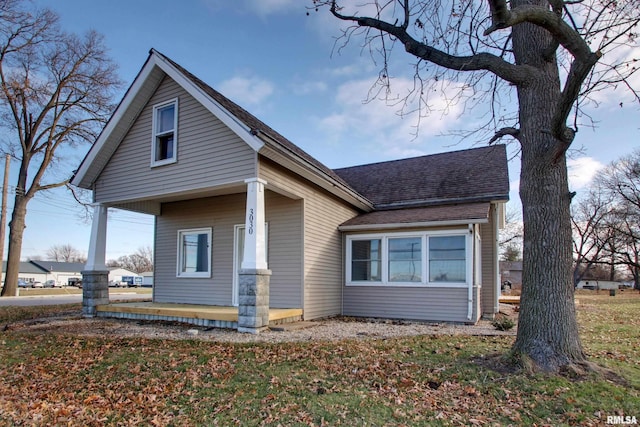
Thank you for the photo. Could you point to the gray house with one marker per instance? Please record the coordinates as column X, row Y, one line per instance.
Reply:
column 244, row 218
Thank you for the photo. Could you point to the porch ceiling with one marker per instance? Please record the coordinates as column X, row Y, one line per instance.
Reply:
column 151, row 205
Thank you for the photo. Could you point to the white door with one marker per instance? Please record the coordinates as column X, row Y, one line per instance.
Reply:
column 238, row 257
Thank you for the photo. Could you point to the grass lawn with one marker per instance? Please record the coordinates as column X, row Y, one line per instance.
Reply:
column 427, row 380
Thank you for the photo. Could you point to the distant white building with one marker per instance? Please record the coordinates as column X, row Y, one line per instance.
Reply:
column 598, row 284
column 147, row 278
column 117, row 274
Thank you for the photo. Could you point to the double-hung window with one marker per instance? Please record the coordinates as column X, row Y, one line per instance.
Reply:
column 447, row 259
column 165, row 133
column 366, row 260
column 433, row 258
column 194, row 253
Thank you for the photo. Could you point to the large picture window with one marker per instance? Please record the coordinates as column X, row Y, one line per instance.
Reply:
column 405, row 259
column 165, row 133
column 194, row 253
column 434, row 258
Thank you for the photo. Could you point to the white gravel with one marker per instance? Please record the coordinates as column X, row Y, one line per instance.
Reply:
column 327, row 330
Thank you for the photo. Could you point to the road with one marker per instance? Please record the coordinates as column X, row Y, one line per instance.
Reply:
column 65, row 299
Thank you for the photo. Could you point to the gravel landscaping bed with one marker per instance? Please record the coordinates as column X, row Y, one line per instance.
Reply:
column 334, row 329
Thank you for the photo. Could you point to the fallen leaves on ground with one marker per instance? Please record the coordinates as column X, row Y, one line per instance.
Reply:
column 54, row 378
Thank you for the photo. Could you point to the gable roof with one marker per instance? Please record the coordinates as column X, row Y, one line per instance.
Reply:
column 466, row 176
column 249, row 128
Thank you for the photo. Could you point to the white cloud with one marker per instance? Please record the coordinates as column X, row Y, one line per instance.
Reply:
column 247, row 90
column 581, row 171
column 362, row 113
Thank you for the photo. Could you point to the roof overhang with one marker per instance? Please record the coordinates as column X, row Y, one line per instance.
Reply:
column 430, row 216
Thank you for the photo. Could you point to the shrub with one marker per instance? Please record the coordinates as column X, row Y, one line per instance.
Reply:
column 503, row 323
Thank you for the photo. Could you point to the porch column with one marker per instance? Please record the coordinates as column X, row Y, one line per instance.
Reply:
column 95, row 277
column 254, row 236
column 253, row 304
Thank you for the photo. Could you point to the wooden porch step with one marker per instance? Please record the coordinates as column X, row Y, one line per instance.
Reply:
column 204, row 315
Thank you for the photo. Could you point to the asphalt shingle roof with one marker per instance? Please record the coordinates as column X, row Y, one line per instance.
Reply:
column 473, row 175
column 62, row 267
column 463, row 212
column 26, row 267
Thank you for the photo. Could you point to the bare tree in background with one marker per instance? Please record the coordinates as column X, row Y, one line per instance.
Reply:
column 592, row 235
column 511, row 237
column 555, row 57
column 65, row 253
column 56, row 91
column 139, row 262
column 621, row 182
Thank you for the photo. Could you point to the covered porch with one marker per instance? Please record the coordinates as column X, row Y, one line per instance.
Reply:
column 194, row 267
column 201, row 315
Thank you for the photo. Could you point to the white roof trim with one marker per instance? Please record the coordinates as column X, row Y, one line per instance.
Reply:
column 156, row 60
column 413, row 224
column 117, row 116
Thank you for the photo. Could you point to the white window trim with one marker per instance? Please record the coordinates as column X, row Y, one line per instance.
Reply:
column 200, row 274
column 174, row 159
column 424, row 235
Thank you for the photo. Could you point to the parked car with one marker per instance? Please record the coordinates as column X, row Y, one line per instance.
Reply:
column 37, row 285
column 116, row 284
column 23, row 283
column 52, row 284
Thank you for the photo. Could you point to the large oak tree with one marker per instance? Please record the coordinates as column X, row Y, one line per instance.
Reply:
column 556, row 55
column 56, row 92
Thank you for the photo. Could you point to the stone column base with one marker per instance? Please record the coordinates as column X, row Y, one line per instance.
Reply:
column 95, row 291
column 253, row 304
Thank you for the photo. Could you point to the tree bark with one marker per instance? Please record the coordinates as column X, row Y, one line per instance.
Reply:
column 16, row 231
column 547, row 327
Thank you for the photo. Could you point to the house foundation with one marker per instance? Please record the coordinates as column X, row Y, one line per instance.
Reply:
column 95, row 291
column 253, row 303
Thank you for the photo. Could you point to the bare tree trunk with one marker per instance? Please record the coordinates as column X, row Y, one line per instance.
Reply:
column 547, row 328
column 16, row 231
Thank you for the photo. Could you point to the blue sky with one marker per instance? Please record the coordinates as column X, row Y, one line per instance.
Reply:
column 277, row 62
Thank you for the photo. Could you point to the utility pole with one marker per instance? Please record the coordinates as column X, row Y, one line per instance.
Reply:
column 3, row 212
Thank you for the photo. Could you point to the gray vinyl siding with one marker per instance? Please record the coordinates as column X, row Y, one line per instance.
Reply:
column 284, row 217
column 222, row 214
column 208, row 154
column 411, row 303
column 487, row 233
column 219, row 213
column 323, row 256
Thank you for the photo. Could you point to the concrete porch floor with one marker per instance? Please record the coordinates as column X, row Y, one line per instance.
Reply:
column 202, row 315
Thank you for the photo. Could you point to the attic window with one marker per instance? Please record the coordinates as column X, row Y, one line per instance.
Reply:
column 165, row 133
